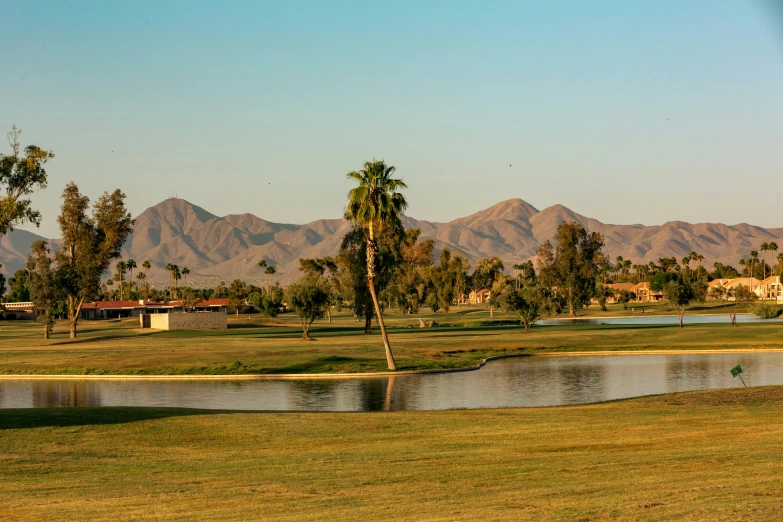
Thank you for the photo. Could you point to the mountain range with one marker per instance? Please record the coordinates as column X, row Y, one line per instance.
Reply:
column 225, row 248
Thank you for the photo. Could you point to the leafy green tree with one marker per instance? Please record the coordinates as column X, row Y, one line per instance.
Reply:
column 573, row 266
column 20, row 176
column 680, row 293
column 376, row 205
column 602, row 294
column 237, row 295
column 325, row 267
column 268, row 302
column 624, row 297
column 19, row 287
column 2, row 285
column 308, row 298
column 489, row 274
column 413, row 274
column 44, row 293
column 529, row 302
column 89, row 245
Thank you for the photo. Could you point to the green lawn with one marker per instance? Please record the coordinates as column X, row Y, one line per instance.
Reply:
column 255, row 345
column 695, row 456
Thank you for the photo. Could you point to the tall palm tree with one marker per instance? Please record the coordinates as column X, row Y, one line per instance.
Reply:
column 270, row 271
column 754, row 256
column 764, row 248
column 146, row 266
column 617, row 267
column 780, row 264
column 130, row 264
column 142, row 277
column 518, row 268
column 743, row 263
column 185, row 272
column 120, row 266
column 773, row 247
column 375, row 204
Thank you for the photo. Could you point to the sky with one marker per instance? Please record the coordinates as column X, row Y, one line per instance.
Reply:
column 627, row 112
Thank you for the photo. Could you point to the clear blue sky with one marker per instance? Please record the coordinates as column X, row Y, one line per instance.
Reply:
column 629, row 112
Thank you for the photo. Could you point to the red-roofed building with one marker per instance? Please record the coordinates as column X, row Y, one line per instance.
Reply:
column 116, row 309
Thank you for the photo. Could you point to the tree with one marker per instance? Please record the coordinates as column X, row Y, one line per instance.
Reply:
column 602, row 295
column 269, row 271
column 681, row 292
column 320, row 267
column 739, row 295
column 772, row 247
column 130, row 264
column 268, row 302
column 88, row 245
column 2, row 285
column 376, row 204
column 573, row 266
column 754, row 257
column 185, row 273
column 529, row 302
column 624, row 297
column 489, row 274
column 780, row 263
column 308, row 298
column 19, row 287
column 146, row 266
column 414, row 276
column 237, row 295
column 120, row 276
column 20, row 176
column 44, row 293
column 352, row 268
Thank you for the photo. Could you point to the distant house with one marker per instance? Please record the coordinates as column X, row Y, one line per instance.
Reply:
column 644, row 294
column 751, row 283
column 479, row 296
column 770, row 288
column 23, row 310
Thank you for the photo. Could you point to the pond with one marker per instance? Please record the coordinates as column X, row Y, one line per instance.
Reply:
column 538, row 380
column 657, row 319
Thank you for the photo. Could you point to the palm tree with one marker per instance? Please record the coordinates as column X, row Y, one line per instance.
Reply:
column 109, row 284
column 618, row 266
column 120, row 275
column 764, row 247
column 780, row 263
column 146, row 266
column 743, row 263
column 142, row 277
column 375, row 204
column 773, row 247
column 185, row 272
column 130, row 264
column 519, row 268
column 270, row 271
column 754, row 256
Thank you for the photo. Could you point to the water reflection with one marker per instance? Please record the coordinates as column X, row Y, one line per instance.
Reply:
column 513, row 382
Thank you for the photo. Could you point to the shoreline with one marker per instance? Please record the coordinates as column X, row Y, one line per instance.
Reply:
column 362, row 375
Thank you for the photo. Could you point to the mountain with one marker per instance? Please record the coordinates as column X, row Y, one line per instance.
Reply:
column 226, row 248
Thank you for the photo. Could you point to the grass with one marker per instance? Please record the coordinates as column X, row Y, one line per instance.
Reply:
column 255, row 345
column 694, row 456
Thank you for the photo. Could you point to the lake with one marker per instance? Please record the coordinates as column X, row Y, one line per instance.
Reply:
column 538, row 380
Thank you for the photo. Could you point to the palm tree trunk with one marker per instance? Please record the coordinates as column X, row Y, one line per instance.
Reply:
column 371, row 284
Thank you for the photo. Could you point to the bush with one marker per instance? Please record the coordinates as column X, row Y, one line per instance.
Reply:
column 767, row 311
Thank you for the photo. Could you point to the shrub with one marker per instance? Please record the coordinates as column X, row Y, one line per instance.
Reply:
column 767, row 311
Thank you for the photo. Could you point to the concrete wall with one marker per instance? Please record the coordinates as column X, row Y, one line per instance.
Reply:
column 189, row 321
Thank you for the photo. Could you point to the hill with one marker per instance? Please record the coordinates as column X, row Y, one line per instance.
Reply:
column 225, row 248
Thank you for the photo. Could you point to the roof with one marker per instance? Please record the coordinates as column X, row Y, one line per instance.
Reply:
column 622, row 286
column 213, row 302
column 641, row 284
column 744, row 281
column 718, row 282
column 771, row 279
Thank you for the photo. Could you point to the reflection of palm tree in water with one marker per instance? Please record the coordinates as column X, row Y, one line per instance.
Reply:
column 389, row 390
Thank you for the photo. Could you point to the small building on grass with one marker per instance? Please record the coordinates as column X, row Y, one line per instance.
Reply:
column 21, row 310
column 185, row 321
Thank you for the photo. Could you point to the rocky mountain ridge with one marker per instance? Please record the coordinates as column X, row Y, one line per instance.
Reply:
column 224, row 248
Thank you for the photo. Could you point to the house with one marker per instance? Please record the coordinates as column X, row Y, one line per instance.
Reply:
column 479, row 296
column 184, row 321
column 751, row 283
column 770, row 288
column 23, row 310
column 644, row 294
column 117, row 309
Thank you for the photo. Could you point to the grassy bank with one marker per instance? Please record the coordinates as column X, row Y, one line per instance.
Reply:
column 255, row 345
column 703, row 455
